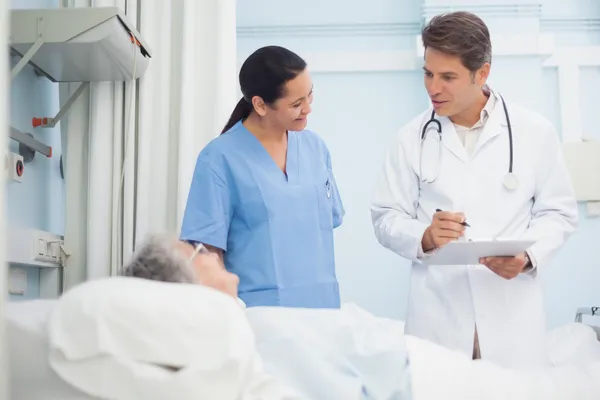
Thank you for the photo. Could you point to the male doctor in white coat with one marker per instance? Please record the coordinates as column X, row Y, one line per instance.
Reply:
column 493, row 310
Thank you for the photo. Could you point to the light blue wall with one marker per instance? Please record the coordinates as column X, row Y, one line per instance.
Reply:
column 358, row 113
column 37, row 202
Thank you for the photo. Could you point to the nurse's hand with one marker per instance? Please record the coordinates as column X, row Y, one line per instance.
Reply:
column 506, row 267
column 445, row 227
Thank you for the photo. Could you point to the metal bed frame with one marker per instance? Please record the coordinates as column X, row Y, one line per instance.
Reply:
column 592, row 311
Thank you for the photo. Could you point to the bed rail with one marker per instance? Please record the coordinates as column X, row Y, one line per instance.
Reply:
column 581, row 311
column 593, row 311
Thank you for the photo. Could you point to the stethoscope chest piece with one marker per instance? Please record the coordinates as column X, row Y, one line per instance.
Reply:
column 510, row 181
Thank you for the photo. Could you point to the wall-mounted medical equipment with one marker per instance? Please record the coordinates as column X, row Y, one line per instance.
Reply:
column 28, row 143
column 28, row 247
column 77, row 45
column 17, row 281
column 583, row 162
column 91, row 44
column 14, row 167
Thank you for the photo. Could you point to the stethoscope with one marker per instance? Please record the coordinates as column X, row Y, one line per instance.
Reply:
column 509, row 181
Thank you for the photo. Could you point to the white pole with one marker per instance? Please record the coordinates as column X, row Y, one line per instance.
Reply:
column 3, row 138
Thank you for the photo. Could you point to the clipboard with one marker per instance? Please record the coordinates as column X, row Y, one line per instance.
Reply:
column 469, row 252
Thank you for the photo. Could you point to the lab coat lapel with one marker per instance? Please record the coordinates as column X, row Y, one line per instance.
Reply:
column 451, row 140
column 495, row 125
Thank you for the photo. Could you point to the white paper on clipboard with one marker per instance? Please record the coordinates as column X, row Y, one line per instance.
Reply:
column 469, row 252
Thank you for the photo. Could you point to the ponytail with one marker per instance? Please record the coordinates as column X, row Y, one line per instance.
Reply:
column 241, row 111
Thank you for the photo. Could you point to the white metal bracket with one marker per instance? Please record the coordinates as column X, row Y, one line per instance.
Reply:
column 581, row 311
column 32, row 50
column 48, row 122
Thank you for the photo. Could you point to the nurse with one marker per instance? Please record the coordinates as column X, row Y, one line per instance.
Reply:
column 263, row 195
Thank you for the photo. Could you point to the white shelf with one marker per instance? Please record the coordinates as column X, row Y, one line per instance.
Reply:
column 78, row 44
column 23, row 250
column 22, row 247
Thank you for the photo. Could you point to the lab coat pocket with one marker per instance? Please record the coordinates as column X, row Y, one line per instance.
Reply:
column 325, row 204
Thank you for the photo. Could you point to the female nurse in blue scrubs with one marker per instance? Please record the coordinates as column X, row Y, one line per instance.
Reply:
column 263, row 194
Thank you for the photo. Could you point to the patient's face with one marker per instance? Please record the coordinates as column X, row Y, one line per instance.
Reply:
column 210, row 271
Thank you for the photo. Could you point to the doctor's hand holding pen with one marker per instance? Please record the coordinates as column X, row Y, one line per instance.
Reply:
column 448, row 226
column 445, row 227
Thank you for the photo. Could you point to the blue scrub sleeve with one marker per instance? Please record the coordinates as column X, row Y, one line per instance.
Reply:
column 208, row 210
column 338, row 207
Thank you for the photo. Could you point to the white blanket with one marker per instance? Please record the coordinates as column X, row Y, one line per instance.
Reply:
column 439, row 373
column 346, row 354
column 351, row 354
column 333, row 354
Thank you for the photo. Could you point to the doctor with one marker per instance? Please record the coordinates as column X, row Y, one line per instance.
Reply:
column 487, row 162
column 263, row 194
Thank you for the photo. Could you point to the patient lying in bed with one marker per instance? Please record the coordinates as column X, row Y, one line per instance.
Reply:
column 350, row 353
column 322, row 354
column 298, row 353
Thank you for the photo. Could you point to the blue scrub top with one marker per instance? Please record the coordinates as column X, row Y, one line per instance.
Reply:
column 276, row 230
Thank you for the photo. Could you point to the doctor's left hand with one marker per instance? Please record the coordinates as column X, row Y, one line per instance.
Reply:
column 506, row 267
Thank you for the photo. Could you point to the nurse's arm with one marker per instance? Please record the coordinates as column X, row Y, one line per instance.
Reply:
column 393, row 206
column 554, row 212
column 208, row 210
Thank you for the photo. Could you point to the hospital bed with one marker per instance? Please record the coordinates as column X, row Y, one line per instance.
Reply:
column 435, row 372
column 591, row 311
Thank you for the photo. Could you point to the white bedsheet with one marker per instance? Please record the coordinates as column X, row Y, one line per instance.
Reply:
column 442, row 374
column 333, row 354
column 434, row 372
column 352, row 355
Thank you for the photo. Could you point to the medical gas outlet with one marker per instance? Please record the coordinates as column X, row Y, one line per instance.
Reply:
column 13, row 167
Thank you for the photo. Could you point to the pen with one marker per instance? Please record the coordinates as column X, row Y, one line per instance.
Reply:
column 462, row 223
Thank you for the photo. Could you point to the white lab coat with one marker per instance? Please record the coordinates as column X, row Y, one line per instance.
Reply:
column 446, row 302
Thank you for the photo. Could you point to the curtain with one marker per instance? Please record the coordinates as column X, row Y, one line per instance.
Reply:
column 131, row 146
column 4, row 89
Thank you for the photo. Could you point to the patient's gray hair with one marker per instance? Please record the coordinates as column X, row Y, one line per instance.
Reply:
column 159, row 259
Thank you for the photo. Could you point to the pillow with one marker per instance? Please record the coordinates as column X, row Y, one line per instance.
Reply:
column 130, row 338
column 27, row 343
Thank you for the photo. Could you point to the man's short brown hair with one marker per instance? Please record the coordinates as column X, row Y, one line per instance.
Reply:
column 460, row 34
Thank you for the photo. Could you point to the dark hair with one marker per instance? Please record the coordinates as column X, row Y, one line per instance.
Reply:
column 460, row 34
column 264, row 74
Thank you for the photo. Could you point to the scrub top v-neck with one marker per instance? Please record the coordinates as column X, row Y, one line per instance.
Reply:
column 275, row 227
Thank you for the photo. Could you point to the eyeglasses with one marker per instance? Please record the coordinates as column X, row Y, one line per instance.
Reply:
column 199, row 248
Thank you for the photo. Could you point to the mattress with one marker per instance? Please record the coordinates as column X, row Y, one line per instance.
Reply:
column 31, row 378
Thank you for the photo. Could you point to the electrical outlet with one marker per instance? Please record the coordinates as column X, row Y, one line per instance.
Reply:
column 33, row 247
column 17, row 281
column 47, row 248
column 54, row 251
